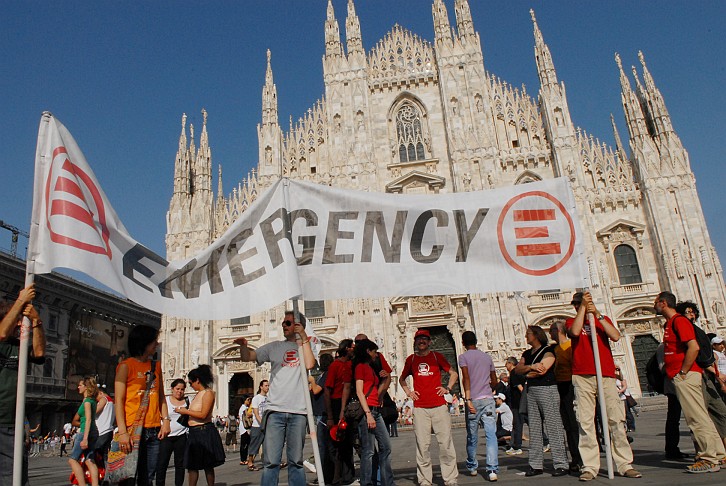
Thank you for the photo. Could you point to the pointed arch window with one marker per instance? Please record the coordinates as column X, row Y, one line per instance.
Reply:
column 409, row 133
column 626, row 261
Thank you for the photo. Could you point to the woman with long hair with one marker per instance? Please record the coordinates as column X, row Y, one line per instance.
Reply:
column 85, row 420
column 176, row 442
column 132, row 379
column 204, row 445
column 244, row 433
column 543, row 400
column 371, row 429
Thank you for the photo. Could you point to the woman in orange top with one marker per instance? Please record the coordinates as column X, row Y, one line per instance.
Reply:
column 130, row 384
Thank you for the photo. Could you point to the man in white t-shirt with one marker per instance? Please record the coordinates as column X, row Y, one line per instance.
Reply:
column 257, row 435
column 285, row 417
column 506, row 418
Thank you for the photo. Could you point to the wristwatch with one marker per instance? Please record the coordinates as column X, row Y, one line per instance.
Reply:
column 683, row 373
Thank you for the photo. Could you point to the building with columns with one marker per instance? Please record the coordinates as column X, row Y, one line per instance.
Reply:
column 414, row 116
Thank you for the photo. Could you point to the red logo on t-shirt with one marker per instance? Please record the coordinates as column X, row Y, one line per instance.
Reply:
column 423, row 369
column 291, row 358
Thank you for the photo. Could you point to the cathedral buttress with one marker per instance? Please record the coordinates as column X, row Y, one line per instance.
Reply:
column 555, row 110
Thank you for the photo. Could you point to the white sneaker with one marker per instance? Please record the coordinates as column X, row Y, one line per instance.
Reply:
column 514, row 452
column 310, row 466
column 492, row 476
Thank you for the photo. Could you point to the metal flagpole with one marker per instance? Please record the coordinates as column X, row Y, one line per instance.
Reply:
column 18, row 455
column 601, row 396
column 303, row 370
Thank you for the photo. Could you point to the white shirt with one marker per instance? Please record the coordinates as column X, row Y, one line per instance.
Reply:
column 506, row 415
column 177, row 429
column 258, row 402
column 105, row 421
column 721, row 362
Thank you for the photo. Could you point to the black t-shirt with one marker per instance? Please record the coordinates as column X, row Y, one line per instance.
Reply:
column 536, row 357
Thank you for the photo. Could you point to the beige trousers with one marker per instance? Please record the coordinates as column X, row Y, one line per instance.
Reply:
column 424, row 421
column 585, row 400
column 690, row 394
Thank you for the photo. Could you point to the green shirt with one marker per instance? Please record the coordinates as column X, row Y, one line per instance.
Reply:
column 82, row 414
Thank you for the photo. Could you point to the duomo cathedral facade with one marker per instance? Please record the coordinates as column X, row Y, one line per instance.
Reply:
column 412, row 116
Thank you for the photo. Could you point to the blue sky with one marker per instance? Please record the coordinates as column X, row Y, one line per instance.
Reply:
column 119, row 75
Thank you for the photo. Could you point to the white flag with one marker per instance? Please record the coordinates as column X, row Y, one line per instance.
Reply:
column 300, row 239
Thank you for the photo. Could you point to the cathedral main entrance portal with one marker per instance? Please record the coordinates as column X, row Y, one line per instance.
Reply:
column 643, row 348
column 240, row 386
column 443, row 342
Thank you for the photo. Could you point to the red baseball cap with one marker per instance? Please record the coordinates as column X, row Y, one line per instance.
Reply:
column 422, row 333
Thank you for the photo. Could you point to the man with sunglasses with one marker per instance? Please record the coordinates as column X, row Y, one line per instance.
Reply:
column 285, row 418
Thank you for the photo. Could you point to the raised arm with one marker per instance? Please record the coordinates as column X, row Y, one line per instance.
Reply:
column 245, row 353
column 10, row 320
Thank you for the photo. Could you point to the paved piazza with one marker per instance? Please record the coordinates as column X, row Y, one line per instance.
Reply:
column 647, row 448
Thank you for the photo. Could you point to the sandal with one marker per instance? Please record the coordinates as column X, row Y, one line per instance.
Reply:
column 252, row 467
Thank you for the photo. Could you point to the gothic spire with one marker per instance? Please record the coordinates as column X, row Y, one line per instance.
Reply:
column 204, row 138
column 333, row 47
column 442, row 27
column 618, row 143
column 352, row 31
column 464, row 23
column 269, row 96
column 181, row 175
column 203, row 164
column 545, row 66
column 631, row 106
column 624, row 81
column 656, row 105
column 220, row 187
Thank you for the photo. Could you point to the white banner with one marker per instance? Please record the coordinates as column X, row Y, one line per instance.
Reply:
column 345, row 244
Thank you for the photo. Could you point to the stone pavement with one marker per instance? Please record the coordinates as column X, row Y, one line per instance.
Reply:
column 647, row 448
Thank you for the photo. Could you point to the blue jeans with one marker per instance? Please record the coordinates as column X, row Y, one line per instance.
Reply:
column 284, row 429
column 368, row 439
column 486, row 415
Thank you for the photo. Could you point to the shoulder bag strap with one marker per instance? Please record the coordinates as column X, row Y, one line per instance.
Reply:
column 144, row 407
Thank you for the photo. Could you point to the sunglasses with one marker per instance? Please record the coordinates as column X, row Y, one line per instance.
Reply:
column 287, row 323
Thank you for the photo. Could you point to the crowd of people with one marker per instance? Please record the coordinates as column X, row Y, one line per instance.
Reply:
column 552, row 387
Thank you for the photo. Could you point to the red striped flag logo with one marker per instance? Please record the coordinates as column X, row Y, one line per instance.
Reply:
column 536, row 233
column 75, row 212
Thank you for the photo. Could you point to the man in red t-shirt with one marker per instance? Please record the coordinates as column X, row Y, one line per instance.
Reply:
column 430, row 409
column 681, row 349
column 584, row 380
column 337, row 392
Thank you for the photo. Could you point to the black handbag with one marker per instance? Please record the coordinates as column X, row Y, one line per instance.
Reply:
column 354, row 410
column 183, row 420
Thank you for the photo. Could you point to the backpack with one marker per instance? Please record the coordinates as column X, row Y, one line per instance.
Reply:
column 232, row 424
column 705, row 357
column 654, row 375
column 248, row 418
